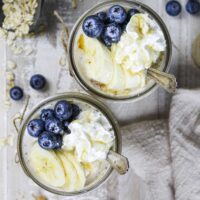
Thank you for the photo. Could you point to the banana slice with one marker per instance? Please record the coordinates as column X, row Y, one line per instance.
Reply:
column 97, row 60
column 118, row 79
column 47, row 166
column 70, row 172
column 79, row 170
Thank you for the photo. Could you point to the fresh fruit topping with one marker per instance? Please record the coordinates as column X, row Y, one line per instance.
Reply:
column 48, row 140
column 16, row 93
column 65, row 127
column 35, row 127
column 112, row 33
column 75, row 111
column 93, row 26
column 54, row 125
column 63, row 110
column 38, row 82
column 107, row 41
column 173, row 8
column 46, row 114
column 102, row 16
column 132, row 12
column 75, row 177
column 47, row 166
column 193, row 6
column 117, row 14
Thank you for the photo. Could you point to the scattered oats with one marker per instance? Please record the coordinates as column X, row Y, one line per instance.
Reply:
column 28, row 50
column 11, row 65
column 10, row 76
column 40, row 197
column 74, row 3
column 63, row 61
column 19, row 16
column 6, row 141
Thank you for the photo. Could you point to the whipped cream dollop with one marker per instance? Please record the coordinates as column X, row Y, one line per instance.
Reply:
column 91, row 137
column 141, row 45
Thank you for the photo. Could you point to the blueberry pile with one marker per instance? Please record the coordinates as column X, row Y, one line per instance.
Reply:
column 53, row 124
column 108, row 27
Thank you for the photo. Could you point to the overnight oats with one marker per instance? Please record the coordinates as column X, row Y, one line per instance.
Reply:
column 113, row 46
column 68, row 143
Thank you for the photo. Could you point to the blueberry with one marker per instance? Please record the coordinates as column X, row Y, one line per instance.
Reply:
column 63, row 110
column 16, row 93
column 132, row 12
column 75, row 111
column 46, row 114
column 117, row 14
column 38, row 82
column 173, row 8
column 112, row 33
column 92, row 26
column 107, row 41
column 48, row 140
column 35, row 127
column 193, row 7
column 65, row 127
column 102, row 16
column 54, row 125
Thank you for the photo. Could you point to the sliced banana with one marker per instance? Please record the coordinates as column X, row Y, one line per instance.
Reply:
column 118, row 79
column 47, row 166
column 79, row 170
column 196, row 51
column 97, row 60
column 70, row 172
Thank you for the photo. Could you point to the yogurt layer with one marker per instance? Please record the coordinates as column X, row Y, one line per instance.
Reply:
column 91, row 137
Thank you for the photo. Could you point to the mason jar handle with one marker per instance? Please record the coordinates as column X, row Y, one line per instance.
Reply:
column 20, row 118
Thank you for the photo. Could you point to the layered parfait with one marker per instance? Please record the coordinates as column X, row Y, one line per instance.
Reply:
column 71, row 140
column 115, row 47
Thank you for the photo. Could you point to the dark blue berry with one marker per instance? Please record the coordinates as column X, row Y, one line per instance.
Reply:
column 66, row 127
column 46, row 114
column 16, row 93
column 35, row 127
column 107, row 41
column 102, row 16
column 48, row 140
column 117, row 14
column 63, row 110
column 112, row 33
column 132, row 12
column 92, row 26
column 75, row 111
column 173, row 8
column 193, row 7
column 54, row 125
column 38, row 82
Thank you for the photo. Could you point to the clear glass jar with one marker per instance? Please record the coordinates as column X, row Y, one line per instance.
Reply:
column 76, row 72
column 25, row 141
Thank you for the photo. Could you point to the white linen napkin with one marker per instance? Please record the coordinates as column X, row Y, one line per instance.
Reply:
column 146, row 144
column 185, row 144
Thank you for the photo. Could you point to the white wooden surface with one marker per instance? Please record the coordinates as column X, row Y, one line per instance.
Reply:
column 14, row 185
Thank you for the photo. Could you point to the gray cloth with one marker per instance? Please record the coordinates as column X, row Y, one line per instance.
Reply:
column 168, row 161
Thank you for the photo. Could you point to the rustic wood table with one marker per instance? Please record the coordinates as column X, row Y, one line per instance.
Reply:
column 47, row 50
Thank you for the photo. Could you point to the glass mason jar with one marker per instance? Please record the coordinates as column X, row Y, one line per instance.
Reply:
column 25, row 141
column 73, row 57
